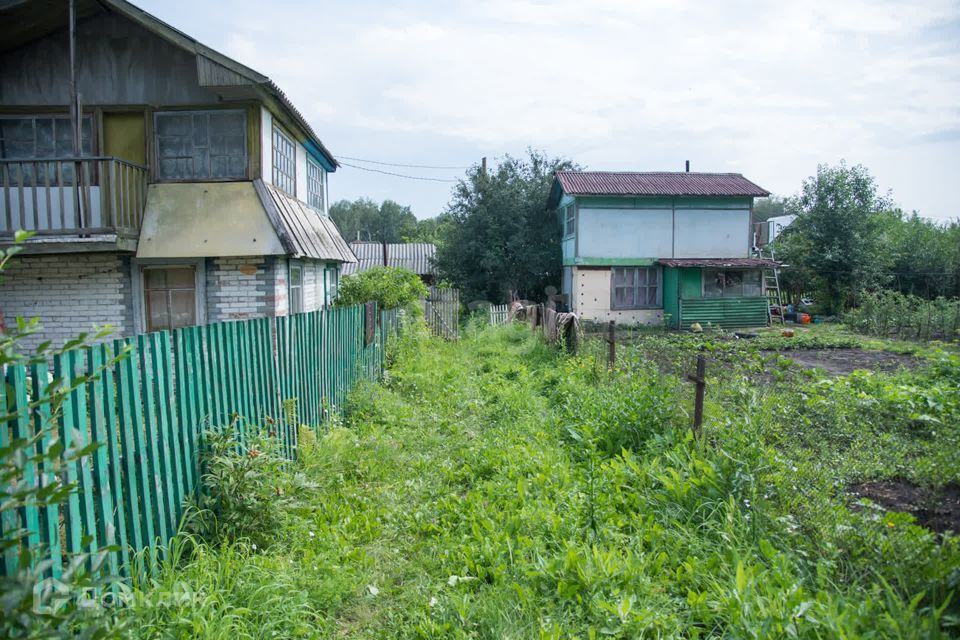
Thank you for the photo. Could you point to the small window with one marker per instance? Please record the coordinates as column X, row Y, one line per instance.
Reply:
column 296, row 289
column 332, row 276
column 732, row 283
column 316, row 177
column 284, row 162
column 201, row 145
column 568, row 220
column 170, row 297
column 635, row 288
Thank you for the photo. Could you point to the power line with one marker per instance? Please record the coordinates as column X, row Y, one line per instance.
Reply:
column 408, row 166
column 398, row 175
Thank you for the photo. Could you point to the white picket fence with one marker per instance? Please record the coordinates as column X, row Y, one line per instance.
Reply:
column 499, row 314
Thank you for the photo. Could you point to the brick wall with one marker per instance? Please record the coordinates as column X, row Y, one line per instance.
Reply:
column 70, row 293
column 239, row 288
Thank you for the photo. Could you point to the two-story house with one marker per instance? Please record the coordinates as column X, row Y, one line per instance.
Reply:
column 199, row 193
column 645, row 248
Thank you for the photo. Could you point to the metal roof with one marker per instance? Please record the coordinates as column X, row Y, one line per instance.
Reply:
column 414, row 256
column 718, row 262
column 303, row 231
column 654, row 183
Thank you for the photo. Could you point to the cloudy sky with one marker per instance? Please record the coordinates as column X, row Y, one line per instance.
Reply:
column 767, row 89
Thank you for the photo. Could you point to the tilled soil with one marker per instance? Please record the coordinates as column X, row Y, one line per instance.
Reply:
column 840, row 362
column 937, row 510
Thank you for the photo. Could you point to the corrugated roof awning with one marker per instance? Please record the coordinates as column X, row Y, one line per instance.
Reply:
column 414, row 256
column 304, row 233
column 756, row 263
column 200, row 219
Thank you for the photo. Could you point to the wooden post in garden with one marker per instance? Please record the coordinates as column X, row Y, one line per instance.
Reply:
column 611, row 344
column 701, row 381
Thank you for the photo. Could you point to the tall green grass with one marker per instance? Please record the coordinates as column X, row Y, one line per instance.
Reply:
column 494, row 488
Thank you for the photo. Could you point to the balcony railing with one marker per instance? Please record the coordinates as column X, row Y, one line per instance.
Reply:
column 87, row 196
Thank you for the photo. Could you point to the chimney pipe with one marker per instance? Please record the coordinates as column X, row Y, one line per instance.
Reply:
column 688, row 166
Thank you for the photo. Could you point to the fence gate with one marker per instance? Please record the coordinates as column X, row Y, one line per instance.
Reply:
column 441, row 310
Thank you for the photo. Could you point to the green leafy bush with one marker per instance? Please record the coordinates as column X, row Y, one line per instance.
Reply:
column 893, row 314
column 390, row 287
column 248, row 490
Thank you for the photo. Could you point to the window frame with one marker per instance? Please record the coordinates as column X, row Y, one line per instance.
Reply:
column 314, row 169
column 137, row 266
column 741, row 271
column 155, row 141
column 569, row 220
column 291, row 296
column 282, row 136
column 658, row 304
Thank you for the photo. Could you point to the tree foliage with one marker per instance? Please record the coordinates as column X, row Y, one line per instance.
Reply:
column 848, row 239
column 835, row 241
column 500, row 239
column 364, row 219
column 390, row 287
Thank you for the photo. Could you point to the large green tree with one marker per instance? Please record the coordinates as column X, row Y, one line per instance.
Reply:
column 364, row 219
column 836, row 242
column 499, row 239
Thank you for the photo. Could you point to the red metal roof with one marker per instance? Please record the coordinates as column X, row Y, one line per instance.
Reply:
column 657, row 183
column 718, row 262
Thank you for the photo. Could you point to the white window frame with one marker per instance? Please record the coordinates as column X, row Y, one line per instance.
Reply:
column 569, row 221
column 295, row 266
column 138, row 288
column 281, row 178
column 316, row 179
column 613, row 293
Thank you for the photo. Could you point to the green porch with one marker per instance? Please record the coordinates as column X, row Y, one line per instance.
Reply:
column 731, row 298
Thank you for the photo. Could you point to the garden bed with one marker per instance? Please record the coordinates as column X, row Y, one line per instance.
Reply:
column 840, row 362
column 937, row 510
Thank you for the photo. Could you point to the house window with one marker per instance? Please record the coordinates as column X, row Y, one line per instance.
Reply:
column 636, row 287
column 170, row 297
column 732, row 283
column 41, row 137
column 201, row 145
column 569, row 220
column 284, row 162
column 316, row 177
column 332, row 277
column 296, row 289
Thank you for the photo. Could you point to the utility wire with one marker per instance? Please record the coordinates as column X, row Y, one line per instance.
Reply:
column 398, row 175
column 397, row 164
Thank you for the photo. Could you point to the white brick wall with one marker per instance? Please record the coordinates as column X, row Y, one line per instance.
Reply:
column 239, row 288
column 70, row 293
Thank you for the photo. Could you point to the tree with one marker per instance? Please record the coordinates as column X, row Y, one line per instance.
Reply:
column 766, row 208
column 836, row 239
column 500, row 239
column 364, row 219
column 390, row 287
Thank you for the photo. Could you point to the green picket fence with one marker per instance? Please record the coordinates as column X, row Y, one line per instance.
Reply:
column 150, row 408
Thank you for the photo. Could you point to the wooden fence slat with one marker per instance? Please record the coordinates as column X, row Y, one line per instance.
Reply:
column 68, row 427
column 100, row 433
column 43, row 424
column 152, row 432
column 10, row 522
column 139, row 494
column 17, row 382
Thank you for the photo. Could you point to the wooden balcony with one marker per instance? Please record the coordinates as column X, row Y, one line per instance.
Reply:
column 73, row 204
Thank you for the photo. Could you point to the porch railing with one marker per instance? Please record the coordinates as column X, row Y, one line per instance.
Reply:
column 72, row 196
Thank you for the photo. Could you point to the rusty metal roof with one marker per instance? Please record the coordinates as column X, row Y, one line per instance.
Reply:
column 718, row 262
column 655, row 183
column 303, row 231
column 415, row 256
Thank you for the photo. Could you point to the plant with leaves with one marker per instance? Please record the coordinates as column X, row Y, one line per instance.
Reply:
column 836, row 240
column 42, row 596
column 501, row 240
column 390, row 287
column 365, row 220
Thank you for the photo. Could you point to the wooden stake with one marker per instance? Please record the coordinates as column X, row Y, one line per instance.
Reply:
column 701, row 382
column 612, row 344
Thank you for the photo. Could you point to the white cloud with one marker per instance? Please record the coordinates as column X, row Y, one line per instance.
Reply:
column 769, row 88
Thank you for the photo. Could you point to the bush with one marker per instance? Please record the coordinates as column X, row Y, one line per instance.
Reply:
column 390, row 287
column 894, row 314
column 247, row 491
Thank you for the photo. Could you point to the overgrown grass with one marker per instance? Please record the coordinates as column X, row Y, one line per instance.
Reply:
column 494, row 488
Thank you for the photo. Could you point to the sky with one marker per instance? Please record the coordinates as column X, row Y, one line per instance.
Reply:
column 766, row 89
